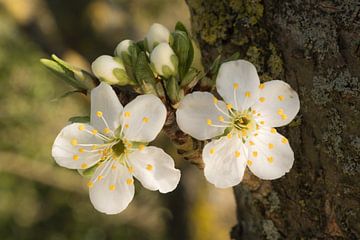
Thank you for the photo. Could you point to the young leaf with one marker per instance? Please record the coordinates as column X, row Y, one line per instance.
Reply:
column 79, row 119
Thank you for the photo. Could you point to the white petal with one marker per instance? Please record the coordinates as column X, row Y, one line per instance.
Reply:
column 195, row 111
column 237, row 82
column 143, row 118
column 154, row 169
column 105, row 101
column 111, row 188
column 225, row 161
column 67, row 150
column 270, row 155
column 278, row 103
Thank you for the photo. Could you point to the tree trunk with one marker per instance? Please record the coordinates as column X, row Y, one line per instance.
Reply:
column 315, row 47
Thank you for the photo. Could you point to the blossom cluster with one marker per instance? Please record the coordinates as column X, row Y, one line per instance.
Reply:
column 112, row 148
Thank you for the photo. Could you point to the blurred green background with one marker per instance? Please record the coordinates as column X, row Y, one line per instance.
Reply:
column 40, row 200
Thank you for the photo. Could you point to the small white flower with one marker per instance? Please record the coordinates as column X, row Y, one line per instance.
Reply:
column 164, row 60
column 110, row 70
column 157, row 34
column 123, row 46
column 246, row 122
column 115, row 144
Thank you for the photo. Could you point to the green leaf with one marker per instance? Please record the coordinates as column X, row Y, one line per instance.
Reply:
column 129, row 60
column 144, row 74
column 122, row 76
column 79, row 119
column 68, row 94
column 172, row 89
column 191, row 78
column 65, row 73
column 183, row 49
column 233, row 57
column 181, row 27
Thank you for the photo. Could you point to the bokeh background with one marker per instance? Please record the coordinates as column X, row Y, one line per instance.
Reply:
column 40, row 200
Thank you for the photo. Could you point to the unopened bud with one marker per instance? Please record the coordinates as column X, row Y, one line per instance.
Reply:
column 164, row 60
column 110, row 70
column 157, row 34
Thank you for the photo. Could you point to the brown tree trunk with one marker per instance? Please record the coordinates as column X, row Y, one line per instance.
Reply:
column 315, row 47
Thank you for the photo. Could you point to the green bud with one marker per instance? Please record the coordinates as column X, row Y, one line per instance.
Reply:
column 110, row 70
column 123, row 47
column 164, row 60
column 157, row 34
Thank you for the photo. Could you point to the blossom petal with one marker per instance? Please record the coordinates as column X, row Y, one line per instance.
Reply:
column 68, row 150
column 155, row 169
column 237, row 82
column 225, row 161
column 200, row 113
column 112, row 188
column 143, row 118
column 105, row 105
column 277, row 104
column 270, row 155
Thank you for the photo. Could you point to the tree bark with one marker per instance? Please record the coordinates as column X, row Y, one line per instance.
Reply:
column 315, row 47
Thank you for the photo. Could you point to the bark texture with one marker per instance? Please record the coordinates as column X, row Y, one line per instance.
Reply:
column 315, row 47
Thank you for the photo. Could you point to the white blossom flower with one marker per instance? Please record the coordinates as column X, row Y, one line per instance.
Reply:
column 164, row 60
column 123, row 46
column 115, row 145
column 110, row 70
column 157, row 34
column 245, row 123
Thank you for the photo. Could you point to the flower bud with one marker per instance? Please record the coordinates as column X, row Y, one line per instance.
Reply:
column 123, row 46
column 110, row 70
column 157, row 34
column 164, row 60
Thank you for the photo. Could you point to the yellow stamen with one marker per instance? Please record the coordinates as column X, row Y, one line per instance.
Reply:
column 129, row 181
column 247, row 94
column 215, row 100
column 237, row 154
column 209, row 122
column 84, row 165
column 100, row 177
column 90, row 184
column 141, row 147
column 212, row 151
column 74, row 142
column 229, row 106
column 280, row 111
column 112, row 187
column 145, row 120
column 106, row 130
column 270, row 159
column 261, row 86
column 262, row 122
column 94, row 131
column 271, row 146
column 81, row 150
column 221, row 118
column 81, row 127
column 236, row 86
column 131, row 169
column 262, row 99
column 229, row 135
column 251, row 143
column 127, row 114
column 75, row 157
column 249, row 162
column 113, row 167
column 255, row 153
column 283, row 116
column 281, row 98
column 149, row 167
column 99, row 114
column 273, row 130
column 126, row 125
column 284, row 140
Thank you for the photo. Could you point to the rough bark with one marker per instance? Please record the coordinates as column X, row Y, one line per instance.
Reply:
column 315, row 47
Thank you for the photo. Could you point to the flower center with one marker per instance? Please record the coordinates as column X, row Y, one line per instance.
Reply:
column 118, row 149
column 244, row 122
